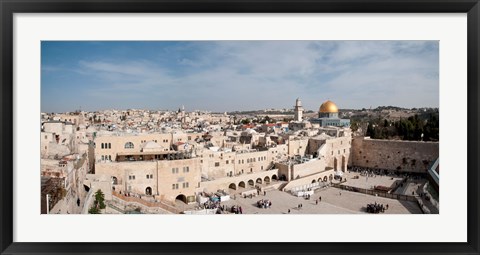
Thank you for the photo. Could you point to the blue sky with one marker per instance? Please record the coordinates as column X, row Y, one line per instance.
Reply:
column 237, row 75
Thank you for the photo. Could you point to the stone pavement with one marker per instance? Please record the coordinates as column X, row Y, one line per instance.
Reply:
column 364, row 182
column 332, row 203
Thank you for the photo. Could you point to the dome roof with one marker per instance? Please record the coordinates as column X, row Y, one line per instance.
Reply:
column 328, row 107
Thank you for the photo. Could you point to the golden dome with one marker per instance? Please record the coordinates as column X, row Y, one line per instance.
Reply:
column 328, row 107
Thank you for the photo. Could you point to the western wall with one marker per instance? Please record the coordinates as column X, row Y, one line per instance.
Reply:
column 406, row 156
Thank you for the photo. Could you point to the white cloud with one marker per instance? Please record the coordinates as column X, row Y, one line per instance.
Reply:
column 237, row 75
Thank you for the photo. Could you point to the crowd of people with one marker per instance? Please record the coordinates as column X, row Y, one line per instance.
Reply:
column 370, row 172
column 211, row 204
column 376, row 208
column 264, row 203
column 236, row 209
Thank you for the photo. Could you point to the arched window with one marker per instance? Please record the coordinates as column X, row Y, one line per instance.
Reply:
column 129, row 145
column 109, row 145
column 102, row 146
column 103, row 157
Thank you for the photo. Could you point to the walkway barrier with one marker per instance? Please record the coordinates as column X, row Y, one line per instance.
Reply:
column 311, row 186
column 116, row 208
column 376, row 193
column 146, row 203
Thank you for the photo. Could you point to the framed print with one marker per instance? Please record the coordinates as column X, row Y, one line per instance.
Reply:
column 244, row 127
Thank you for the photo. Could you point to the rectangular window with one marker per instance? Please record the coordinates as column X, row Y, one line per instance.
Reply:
column 186, row 184
column 151, row 176
column 148, row 176
column 217, row 164
column 226, row 162
column 176, row 186
column 133, row 177
column 173, row 186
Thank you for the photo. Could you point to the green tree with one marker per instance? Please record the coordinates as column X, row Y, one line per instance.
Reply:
column 98, row 204
column 246, row 121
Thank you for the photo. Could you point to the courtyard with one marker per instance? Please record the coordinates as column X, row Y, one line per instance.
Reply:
column 333, row 201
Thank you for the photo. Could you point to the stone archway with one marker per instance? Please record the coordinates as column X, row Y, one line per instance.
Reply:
column 335, row 164
column 330, row 177
column 266, row 179
column 314, row 181
column 274, row 177
column 241, row 184
column 148, row 191
column 251, row 183
column 325, row 178
column 344, row 163
column 232, row 186
column 181, row 198
column 259, row 180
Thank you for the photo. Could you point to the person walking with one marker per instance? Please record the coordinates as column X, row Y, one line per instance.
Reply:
column 316, row 201
column 288, row 210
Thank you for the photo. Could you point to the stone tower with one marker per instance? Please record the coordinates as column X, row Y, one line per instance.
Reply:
column 298, row 110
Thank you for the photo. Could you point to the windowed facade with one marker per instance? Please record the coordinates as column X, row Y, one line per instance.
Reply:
column 129, row 145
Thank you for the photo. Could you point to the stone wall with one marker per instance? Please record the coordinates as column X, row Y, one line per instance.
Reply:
column 234, row 182
column 409, row 156
column 308, row 168
column 166, row 178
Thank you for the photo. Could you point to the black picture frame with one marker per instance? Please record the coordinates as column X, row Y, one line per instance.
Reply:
column 9, row 7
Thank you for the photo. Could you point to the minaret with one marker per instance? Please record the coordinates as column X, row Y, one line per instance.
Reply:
column 298, row 110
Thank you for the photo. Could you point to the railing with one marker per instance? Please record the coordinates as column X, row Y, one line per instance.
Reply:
column 115, row 207
column 376, row 192
column 146, row 203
